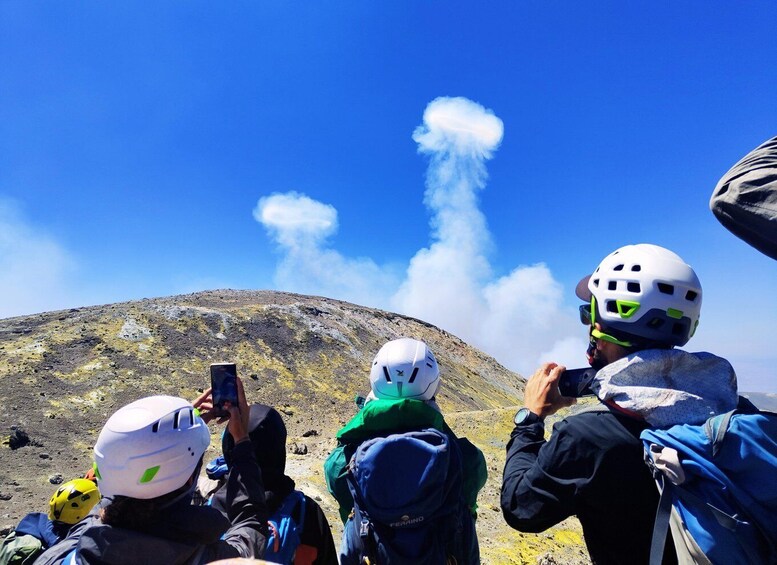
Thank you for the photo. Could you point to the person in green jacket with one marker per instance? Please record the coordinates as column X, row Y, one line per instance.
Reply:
column 404, row 381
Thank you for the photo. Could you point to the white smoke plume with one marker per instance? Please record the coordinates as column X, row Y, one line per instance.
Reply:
column 33, row 266
column 301, row 227
column 518, row 318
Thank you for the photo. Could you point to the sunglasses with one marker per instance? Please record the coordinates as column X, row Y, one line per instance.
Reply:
column 588, row 318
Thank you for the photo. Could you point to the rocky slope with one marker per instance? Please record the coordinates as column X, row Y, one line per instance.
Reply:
column 63, row 373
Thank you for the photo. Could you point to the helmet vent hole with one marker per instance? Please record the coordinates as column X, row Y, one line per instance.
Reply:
column 176, row 420
column 633, row 287
column 612, row 285
column 691, row 295
column 655, row 323
column 155, row 427
column 678, row 329
column 413, row 375
column 191, row 417
column 665, row 288
column 596, row 283
column 386, row 374
column 636, row 268
column 618, row 267
column 612, row 306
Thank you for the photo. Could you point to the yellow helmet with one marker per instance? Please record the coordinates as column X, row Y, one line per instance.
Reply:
column 73, row 500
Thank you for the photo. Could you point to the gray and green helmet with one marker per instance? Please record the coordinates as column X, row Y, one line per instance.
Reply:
column 647, row 292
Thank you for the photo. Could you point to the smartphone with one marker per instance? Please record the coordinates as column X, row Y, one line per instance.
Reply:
column 576, row 382
column 223, row 382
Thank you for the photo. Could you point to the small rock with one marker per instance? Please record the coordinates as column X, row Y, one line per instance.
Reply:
column 310, row 433
column 317, row 498
column 5, row 496
column 299, row 449
column 56, row 479
column 287, row 410
column 254, row 377
column 5, row 530
column 547, row 559
column 44, row 456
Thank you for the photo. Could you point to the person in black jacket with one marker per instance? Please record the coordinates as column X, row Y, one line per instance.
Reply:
column 641, row 302
column 268, row 437
column 147, row 459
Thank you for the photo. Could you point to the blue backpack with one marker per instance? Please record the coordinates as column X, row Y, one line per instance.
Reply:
column 286, row 529
column 408, row 506
column 718, row 484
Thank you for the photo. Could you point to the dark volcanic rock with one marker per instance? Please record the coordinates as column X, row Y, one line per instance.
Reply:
column 19, row 438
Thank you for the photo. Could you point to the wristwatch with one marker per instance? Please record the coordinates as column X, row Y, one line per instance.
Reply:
column 525, row 417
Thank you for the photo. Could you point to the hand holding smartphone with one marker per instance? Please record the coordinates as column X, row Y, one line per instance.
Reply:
column 223, row 384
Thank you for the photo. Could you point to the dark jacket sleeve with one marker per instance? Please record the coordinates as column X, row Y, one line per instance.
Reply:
column 542, row 478
column 246, row 509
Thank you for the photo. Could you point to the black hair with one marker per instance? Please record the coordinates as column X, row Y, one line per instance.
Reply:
column 136, row 513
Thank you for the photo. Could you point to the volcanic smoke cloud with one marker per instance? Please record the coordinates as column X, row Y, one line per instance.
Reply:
column 34, row 267
column 518, row 318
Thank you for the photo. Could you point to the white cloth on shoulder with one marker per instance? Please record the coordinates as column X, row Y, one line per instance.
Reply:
column 669, row 386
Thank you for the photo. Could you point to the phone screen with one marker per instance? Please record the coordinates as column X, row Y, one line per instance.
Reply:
column 576, row 382
column 223, row 381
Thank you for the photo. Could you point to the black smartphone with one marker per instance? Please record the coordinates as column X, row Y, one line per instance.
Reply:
column 223, row 382
column 576, row 382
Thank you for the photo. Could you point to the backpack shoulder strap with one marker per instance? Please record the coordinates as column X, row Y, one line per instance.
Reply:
column 717, row 426
column 301, row 503
column 661, row 525
column 293, row 501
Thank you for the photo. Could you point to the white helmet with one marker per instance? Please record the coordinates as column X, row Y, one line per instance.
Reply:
column 647, row 292
column 405, row 368
column 149, row 448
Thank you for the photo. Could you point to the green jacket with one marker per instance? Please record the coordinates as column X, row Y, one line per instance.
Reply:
column 384, row 417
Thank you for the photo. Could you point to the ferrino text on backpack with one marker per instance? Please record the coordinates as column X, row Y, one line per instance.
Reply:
column 718, row 488
column 408, row 508
column 285, row 527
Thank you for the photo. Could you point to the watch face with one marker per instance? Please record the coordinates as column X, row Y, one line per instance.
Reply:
column 521, row 416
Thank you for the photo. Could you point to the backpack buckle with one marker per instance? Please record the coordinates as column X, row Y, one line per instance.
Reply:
column 364, row 528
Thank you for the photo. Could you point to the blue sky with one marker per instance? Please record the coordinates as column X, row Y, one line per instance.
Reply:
column 139, row 143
